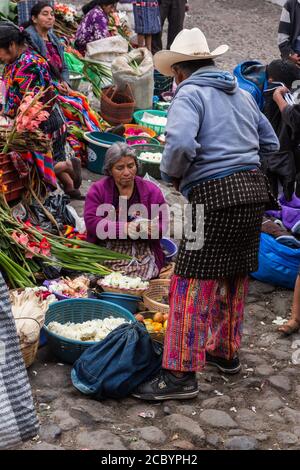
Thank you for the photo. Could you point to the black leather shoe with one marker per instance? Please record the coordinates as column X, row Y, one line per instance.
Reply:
column 165, row 386
column 232, row 366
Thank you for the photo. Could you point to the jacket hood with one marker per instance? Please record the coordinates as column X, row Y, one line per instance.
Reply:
column 213, row 77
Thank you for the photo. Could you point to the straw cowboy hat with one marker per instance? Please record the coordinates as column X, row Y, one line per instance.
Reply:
column 189, row 44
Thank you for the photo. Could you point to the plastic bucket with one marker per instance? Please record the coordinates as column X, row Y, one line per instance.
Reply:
column 169, row 247
column 97, row 145
column 130, row 302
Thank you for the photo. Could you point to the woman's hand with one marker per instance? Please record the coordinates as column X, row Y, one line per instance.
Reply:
column 278, row 97
column 64, row 88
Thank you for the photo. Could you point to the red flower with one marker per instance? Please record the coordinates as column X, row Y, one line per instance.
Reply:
column 45, row 247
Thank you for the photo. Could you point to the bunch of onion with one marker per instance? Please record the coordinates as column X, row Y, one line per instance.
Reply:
column 29, row 310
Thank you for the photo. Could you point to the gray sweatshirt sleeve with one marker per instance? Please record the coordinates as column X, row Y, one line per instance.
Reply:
column 268, row 141
column 184, row 122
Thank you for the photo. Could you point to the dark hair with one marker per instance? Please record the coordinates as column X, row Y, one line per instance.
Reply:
column 10, row 33
column 35, row 11
column 194, row 65
column 283, row 71
column 94, row 3
column 38, row 7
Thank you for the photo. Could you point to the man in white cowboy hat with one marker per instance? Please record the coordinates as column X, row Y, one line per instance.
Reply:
column 215, row 135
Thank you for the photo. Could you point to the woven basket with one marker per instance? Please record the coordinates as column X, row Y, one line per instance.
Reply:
column 118, row 290
column 117, row 106
column 29, row 350
column 78, row 311
column 152, row 298
column 157, row 336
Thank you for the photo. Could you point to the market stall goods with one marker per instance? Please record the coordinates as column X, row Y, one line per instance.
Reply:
column 116, row 282
column 66, row 287
column 91, row 330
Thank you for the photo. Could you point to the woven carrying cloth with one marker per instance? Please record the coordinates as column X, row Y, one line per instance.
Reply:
column 18, row 421
column 233, row 211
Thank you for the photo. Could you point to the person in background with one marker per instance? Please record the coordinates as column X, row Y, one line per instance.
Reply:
column 283, row 166
column 146, row 21
column 289, row 31
column 173, row 11
column 47, row 44
column 24, row 71
column 214, row 135
column 95, row 24
column 293, row 324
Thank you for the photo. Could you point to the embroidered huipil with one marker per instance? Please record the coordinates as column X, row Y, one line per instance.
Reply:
column 30, row 72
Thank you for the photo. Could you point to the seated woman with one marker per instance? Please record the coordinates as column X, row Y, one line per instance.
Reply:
column 95, row 24
column 25, row 71
column 47, row 44
column 119, row 230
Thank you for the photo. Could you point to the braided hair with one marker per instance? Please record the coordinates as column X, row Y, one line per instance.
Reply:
column 11, row 33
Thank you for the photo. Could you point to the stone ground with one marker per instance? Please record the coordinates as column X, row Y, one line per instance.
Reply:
column 257, row 409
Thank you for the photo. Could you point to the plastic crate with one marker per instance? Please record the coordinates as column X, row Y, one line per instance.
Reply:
column 162, row 83
column 148, row 167
column 10, row 178
column 137, row 116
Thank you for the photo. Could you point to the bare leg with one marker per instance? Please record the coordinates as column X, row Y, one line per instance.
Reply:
column 293, row 324
column 141, row 40
column 148, row 40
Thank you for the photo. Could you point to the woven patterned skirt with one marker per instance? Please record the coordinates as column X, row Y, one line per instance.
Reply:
column 18, row 421
column 195, row 307
column 146, row 17
column 231, row 244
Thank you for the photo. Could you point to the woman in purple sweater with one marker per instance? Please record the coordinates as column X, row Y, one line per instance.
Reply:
column 127, row 214
column 94, row 25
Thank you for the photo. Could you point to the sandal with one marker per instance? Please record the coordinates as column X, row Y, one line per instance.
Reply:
column 76, row 164
column 292, row 326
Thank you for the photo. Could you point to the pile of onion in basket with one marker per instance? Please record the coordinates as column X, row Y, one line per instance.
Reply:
column 91, row 330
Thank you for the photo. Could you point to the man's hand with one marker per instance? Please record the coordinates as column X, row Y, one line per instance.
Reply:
column 295, row 58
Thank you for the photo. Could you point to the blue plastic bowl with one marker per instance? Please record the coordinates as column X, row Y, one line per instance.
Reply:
column 130, row 302
column 170, row 247
column 78, row 311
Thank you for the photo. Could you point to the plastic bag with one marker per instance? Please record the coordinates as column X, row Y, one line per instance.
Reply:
column 278, row 264
column 115, row 366
column 136, row 69
column 107, row 49
column 56, row 204
column 74, row 64
column 79, row 221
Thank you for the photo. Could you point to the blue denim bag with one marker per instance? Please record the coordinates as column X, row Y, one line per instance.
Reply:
column 115, row 366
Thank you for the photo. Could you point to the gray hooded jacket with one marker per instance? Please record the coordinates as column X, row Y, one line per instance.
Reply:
column 214, row 129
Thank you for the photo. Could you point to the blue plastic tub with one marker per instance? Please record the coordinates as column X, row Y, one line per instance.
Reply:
column 130, row 302
column 97, row 145
column 78, row 311
column 170, row 247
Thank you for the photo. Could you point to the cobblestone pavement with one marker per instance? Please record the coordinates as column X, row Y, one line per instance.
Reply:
column 257, row 409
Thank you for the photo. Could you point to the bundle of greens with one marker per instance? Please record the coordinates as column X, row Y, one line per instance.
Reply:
column 22, row 246
column 98, row 74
